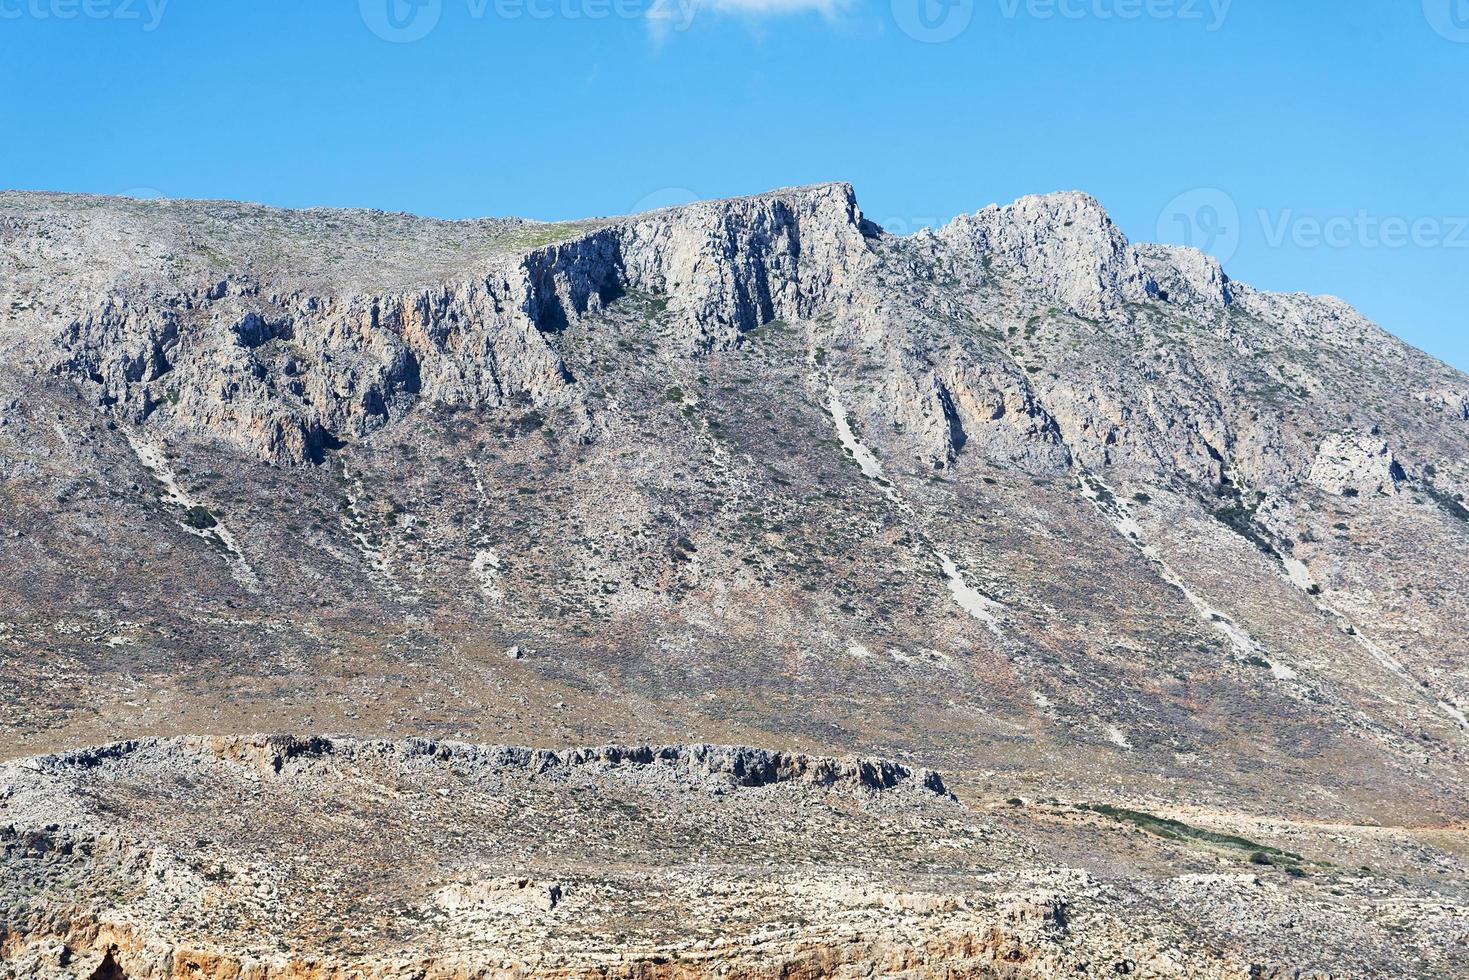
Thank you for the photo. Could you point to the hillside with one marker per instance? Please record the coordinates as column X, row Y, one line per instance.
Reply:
column 1075, row 521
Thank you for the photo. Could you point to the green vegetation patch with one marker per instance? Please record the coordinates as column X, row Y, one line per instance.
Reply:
column 1180, row 831
column 536, row 236
column 200, row 518
column 1239, row 517
column 1451, row 505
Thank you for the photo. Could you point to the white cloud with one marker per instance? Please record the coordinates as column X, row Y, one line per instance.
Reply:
column 665, row 16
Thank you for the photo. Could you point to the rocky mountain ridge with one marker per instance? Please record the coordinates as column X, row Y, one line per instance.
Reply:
column 725, row 268
column 1079, row 522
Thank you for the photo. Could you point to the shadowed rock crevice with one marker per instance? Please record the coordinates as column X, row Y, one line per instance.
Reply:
column 108, row 969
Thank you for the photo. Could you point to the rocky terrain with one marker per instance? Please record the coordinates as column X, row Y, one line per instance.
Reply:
column 239, row 857
column 1082, row 524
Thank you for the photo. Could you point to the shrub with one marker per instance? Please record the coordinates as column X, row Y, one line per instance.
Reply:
column 200, row 518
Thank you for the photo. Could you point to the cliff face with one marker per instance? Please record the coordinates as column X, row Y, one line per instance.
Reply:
column 286, row 370
column 1068, row 517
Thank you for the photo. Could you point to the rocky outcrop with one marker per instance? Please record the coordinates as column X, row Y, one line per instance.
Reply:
column 702, row 765
column 285, row 377
column 1063, row 245
column 1350, row 464
column 984, row 410
column 1454, row 403
column 1185, row 276
column 729, row 266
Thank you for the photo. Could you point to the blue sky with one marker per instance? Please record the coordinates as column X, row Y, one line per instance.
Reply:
column 1320, row 146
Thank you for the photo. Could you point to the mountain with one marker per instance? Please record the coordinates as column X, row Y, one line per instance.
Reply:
column 1082, row 524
